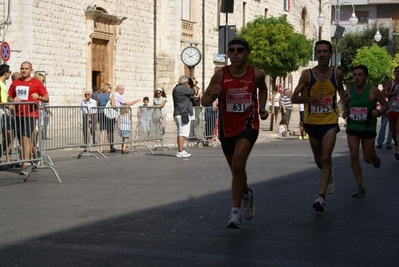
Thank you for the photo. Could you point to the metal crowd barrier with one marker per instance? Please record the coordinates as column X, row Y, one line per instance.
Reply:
column 21, row 138
column 210, row 118
column 65, row 130
column 150, row 127
column 203, row 127
column 107, row 126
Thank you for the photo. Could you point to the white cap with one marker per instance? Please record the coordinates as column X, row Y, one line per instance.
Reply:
column 159, row 89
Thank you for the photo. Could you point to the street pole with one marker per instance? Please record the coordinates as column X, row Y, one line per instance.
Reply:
column 226, row 38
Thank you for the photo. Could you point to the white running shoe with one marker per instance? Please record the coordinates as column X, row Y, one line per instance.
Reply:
column 249, row 209
column 234, row 220
column 183, row 154
column 319, row 204
column 331, row 184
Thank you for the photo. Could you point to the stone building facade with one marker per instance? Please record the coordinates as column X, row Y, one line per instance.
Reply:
column 137, row 43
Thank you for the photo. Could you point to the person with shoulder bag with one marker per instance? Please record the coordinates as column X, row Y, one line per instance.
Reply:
column 182, row 110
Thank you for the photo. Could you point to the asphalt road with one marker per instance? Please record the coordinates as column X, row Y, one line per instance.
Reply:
column 159, row 210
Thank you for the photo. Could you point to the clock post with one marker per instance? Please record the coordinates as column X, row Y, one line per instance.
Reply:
column 191, row 57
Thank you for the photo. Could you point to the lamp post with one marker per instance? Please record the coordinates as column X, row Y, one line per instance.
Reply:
column 377, row 36
column 321, row 20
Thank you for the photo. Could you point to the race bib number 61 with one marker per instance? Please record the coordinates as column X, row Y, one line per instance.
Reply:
column 238, row 102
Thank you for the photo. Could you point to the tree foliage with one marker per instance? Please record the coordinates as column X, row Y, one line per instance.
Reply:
column 394, row 64
column 377, row 60
column 275, row 46
column 352, row 41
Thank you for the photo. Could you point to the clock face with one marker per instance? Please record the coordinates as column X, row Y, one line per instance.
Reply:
column 191, row 56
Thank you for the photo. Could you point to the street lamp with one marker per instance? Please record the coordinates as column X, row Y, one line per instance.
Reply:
column 321, row 20
column 377, row 36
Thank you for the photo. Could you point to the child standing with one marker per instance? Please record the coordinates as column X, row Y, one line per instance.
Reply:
column 124, row 127
column 145, row 118
column 283, row 128
column 159, row 102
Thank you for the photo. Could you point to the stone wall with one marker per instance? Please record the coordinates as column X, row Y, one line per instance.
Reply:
column 54, row 35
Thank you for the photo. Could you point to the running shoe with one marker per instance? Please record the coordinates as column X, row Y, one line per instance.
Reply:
column 23, row 170
column 319, row 204
column 379, row 146
column 388, row 146
column 397, row 155
column 360, row 192
column 183, row 154
column 249, row 209
column 376, row 162
column 331, row 184
column 234, row 220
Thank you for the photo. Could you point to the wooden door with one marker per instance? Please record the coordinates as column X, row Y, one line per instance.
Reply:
column 99, row 63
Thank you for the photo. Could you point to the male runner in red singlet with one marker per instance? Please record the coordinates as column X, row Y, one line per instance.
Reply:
column 317, row 89
column 236, row 88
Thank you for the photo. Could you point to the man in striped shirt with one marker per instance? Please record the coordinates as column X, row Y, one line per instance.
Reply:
column 286, row 105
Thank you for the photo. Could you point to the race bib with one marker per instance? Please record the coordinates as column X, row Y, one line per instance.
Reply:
column 238, row 102
column 22, row 92
column 324, row 105
column 395, row 101
column 358, row 114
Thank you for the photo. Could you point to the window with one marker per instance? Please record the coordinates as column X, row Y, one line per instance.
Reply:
column 363, row 17
column 186, row 10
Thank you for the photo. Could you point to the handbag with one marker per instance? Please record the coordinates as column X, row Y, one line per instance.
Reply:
column 185, row 118
column 109, row 110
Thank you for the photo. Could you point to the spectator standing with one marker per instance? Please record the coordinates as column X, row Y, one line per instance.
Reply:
column 211, row 114
column 89, row 119
column 125, row 127
column 391, row 90
column 106, row 124
column 159, row 101
column 382, row 131
column 283, row 128
column 182, row 112
column 44, row 112
column 5, row 114
column 26, row 89
column 144, row 114
column 276, row 103
column 120, row 99
column 302, row 134
column 361, row 114
column 237, row 88
column 317, row 89
column 286, row 106
column 95, row 95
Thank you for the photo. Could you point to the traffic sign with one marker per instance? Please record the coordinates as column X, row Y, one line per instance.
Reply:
column 5, row 51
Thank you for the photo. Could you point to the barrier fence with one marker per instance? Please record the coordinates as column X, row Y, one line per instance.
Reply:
column 21, row 139
column 91, row 130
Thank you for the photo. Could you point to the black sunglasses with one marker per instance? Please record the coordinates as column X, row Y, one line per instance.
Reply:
column 238, row 49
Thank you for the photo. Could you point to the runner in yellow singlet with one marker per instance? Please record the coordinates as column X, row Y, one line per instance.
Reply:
column 317, row 89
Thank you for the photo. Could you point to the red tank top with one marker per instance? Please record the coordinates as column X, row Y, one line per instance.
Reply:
column 238, row 104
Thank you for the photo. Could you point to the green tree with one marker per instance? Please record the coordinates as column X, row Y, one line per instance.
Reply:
column 394, row 64
column 377, row 60
column 354, row 40
column 275, row 47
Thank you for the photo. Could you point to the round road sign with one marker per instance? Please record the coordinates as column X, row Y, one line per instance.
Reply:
column 5, row 51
